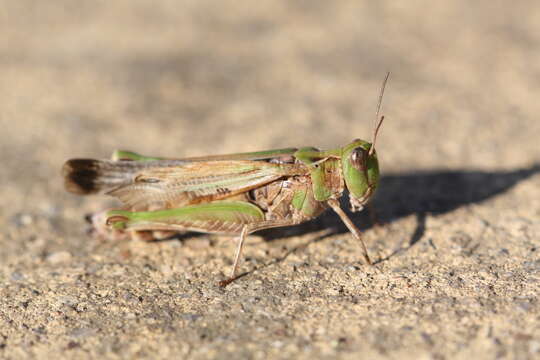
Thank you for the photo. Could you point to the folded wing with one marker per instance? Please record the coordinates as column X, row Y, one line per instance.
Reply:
column 164, row 184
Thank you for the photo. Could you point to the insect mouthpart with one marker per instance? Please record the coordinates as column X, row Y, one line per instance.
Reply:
column 357, row 204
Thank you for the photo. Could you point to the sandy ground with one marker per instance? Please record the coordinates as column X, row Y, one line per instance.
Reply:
column 458, row 264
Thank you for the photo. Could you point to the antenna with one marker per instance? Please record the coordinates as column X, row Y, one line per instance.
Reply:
column 380, row 121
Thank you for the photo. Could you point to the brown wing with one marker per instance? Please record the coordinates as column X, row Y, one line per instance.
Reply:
column 166, row 187
column 164, row 184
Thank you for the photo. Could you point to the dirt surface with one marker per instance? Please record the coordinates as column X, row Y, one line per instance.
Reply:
column 458, row 266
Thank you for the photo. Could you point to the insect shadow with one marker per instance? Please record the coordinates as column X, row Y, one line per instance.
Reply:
column 420, row 193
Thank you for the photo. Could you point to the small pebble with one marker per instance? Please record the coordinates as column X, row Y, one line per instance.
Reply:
column 59, row 257
column 17, row 276
column 22, row 219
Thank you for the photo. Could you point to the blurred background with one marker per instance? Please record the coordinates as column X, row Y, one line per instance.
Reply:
column 82, row 78
column 188, row 78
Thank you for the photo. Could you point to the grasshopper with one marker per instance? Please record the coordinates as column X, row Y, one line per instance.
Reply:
column 234, row 194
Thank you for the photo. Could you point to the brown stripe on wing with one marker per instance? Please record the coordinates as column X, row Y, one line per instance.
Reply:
column 88, row 176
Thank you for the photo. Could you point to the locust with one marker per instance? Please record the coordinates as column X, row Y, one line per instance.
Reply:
column 233, row 194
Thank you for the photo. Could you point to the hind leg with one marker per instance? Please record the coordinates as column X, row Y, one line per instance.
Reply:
column 100, row 229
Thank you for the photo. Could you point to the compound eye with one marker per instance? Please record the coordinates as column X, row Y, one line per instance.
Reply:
column 359, row 158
